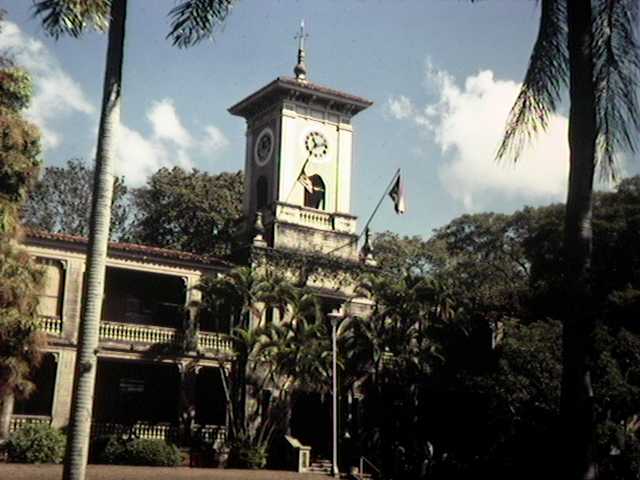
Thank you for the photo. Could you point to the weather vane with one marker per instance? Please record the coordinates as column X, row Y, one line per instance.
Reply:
column 300, row 69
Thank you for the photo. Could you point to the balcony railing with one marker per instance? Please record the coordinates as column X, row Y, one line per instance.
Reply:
column 127, row 332
column 215, row 341
column 337, row 222
column 215, row 434
column 19, row 421
column 51, row 324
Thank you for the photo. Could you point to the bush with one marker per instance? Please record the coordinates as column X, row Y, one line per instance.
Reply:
column 141, row 451
column 244, row 454
column 36, row 443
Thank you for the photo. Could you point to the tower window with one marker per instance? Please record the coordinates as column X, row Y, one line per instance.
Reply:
column 262, row 192
column 315, row 197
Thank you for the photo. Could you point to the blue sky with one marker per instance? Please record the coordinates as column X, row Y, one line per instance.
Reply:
column 442, row 75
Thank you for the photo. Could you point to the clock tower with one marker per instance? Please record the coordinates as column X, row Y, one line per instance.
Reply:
column 298, row 163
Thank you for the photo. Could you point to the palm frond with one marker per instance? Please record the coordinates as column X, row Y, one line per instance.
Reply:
column 72, row 17
column 194, row 20
column 547, row 74
column 616, row 76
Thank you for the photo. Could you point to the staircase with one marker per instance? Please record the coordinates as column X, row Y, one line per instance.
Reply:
column 320, row 465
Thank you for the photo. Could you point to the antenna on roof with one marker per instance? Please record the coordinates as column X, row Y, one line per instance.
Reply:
column 300, row 70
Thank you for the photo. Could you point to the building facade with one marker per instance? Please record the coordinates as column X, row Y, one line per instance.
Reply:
column 150, row 378
column 154, row 376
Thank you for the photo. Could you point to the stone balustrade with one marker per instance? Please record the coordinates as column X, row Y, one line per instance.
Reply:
column 51, row 324
column 215, row 341
column 132, row 333
column 129, row 332
column 154, row 431
column 215, row 434
column 315, row 218
column 19, row 421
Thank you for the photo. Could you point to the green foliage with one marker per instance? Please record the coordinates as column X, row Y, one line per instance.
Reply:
column 141, row 451
column 36, row 443
column 61, row 201
column 246, row 454
column 619, row 450
column 493, row 380
column 405, row 255
column 15, row 89
column 189, row 211
column 61, row 17
column 19, row 149
column 194, row 20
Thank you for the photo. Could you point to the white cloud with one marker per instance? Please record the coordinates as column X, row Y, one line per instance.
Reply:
column 169, row 144
column 138, row 157
column 214, row 140
column 166, row 124
column 399, row 107
column 55, row 93
column 467, row 124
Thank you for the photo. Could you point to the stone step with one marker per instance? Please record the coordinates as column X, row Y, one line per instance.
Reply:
column 320, row 466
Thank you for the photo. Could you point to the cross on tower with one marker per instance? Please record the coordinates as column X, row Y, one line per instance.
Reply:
column 300, row 70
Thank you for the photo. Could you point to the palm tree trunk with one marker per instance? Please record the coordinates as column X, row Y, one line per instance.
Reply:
column 86, row 362
column 577, row 413
column 6, row 410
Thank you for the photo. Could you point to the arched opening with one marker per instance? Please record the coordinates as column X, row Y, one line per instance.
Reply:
column 262, row 192
column 314, row 197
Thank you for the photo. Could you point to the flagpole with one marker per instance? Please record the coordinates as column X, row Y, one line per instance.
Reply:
column 375, row 210
column 386, row 192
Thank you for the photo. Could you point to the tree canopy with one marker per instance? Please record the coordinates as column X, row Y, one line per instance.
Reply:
column 191, row 211
column 61, row 201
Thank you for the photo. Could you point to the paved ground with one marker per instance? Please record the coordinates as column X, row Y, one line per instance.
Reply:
column 13, row 471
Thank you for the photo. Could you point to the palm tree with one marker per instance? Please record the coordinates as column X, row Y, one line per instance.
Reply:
column 192, row 21
column 589, row 47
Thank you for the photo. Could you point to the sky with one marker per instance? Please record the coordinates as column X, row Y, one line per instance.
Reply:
column 442, row 74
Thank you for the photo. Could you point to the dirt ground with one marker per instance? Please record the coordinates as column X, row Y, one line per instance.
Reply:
column 14, row 471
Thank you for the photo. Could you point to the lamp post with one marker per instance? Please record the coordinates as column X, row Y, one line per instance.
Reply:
column 335, row 316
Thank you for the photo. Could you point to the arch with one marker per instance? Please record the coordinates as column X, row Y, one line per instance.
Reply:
column 262, row 192
column 316, row 197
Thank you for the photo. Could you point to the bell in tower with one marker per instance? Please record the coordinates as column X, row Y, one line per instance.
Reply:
column 298, row 162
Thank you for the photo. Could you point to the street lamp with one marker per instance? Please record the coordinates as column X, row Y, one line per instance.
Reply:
column 335, row 316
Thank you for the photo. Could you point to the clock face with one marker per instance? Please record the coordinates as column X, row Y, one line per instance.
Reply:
column 316, row 144
column 263, row 147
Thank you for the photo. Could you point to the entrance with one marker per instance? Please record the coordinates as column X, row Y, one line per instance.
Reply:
column 311, row 422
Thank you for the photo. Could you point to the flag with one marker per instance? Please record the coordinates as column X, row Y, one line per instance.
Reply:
column 305, row 181
column 397, row 195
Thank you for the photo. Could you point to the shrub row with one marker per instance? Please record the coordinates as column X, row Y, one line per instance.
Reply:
column 37, row 443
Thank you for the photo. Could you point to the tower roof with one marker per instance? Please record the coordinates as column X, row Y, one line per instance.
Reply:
column 287, row 88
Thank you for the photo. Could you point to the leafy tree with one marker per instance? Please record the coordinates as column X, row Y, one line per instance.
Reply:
column 390, row 355
column 193, row 20
column 61, row 201
column 404, row 255
column 20, row 341
column 189, row 211
column 590, row 48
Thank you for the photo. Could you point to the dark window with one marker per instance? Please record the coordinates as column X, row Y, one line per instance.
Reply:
column 41, row 401
column 315, row 198
column 262, row 192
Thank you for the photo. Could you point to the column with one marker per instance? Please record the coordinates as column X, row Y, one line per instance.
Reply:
column 72, row 299
column 64, row 385
column 187, row 408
